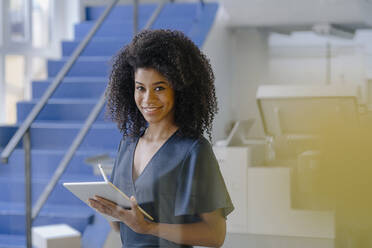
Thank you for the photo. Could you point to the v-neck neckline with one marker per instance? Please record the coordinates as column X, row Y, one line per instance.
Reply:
column 150, row 161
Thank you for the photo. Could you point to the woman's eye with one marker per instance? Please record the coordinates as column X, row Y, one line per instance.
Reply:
column 140, row 88
column 159, row 88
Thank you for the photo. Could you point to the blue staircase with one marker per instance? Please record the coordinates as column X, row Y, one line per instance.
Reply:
column 61, row 119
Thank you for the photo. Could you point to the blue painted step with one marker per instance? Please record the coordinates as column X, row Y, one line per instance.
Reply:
column 125, row 12
column 95, row 48
column 12, row 215
column 85, row 67
column 6, row 133
column 122, row 31
column 124, row 40
column 120, row 12
column 44, row 163
column 13, row 189
column 12, row 241
column 68, row 110
column 125, row 29
column 79, row 89
column 59, row 136
column 188, row 10
column 199, row 32
column 202, row 17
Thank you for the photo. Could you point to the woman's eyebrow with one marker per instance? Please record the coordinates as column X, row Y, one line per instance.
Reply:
column 160, row 82
column 156, row 83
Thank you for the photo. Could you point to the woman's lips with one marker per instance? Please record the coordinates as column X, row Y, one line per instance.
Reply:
column 150, row 110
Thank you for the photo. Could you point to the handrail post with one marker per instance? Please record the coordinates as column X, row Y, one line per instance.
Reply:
column 135, row 17
column 28, row 190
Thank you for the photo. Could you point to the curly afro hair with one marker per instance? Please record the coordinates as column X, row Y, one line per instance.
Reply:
column 181, row 62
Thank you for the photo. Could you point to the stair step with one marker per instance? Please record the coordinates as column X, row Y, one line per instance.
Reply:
column 6, row 133
column 199, row 32
column 125, row 12
column 80, row 90
column 12, row 241
column 45, row 162
column 13, row 216
column 92, row 67
column 120, row 12
column 86, row 79
column 59, row 136
column 13, row 189
column 60, row 110
column 123, row 40
column 95, row 47
column 125, row 29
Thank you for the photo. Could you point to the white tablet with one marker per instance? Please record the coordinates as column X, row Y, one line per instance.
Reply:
column 86, row 190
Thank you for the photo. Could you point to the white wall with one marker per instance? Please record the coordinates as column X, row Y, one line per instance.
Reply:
column 250, row 64
column 218, row 48
column 294, row 13
column 240, row 60
column 301, row 58
column 261, row 58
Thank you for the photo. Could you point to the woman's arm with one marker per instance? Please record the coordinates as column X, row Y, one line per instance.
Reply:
column 210, row 231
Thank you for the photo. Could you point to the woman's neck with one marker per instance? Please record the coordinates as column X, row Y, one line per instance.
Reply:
column 159, row 131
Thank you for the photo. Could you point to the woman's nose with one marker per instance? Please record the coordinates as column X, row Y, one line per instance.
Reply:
column 149, row 96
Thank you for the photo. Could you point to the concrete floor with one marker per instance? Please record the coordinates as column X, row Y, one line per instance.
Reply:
column 253, row 241
column 268, row 241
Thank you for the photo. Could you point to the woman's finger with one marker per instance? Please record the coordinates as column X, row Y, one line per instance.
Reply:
column 105, row 201
column 108, row 203
column 134, row 205
column 102, row 207
column 108, row 207
column 133, row 201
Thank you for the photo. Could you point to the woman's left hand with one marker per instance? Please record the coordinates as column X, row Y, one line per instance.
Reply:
column 133, row 217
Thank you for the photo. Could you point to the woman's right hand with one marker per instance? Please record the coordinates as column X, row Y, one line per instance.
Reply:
column 132, row 217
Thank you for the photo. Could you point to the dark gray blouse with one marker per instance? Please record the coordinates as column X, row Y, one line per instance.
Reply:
column 181, row 181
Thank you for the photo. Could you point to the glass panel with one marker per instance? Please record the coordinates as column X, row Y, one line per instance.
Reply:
column 17, row 20
column 38, row 68
column 2, row 90
column 40, row 23
column 14, row 85
column 1, row 25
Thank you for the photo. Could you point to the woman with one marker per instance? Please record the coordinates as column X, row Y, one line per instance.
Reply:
column 161, row 94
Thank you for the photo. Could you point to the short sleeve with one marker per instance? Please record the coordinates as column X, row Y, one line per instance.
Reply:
column 201, row 187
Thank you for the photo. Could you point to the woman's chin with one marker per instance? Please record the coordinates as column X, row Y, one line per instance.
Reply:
column 152, row 119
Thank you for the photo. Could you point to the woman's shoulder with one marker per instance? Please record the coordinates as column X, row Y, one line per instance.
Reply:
column 194, row 143
column 126, row 140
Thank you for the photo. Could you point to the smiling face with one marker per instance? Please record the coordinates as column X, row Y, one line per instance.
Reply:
column 154, row 96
